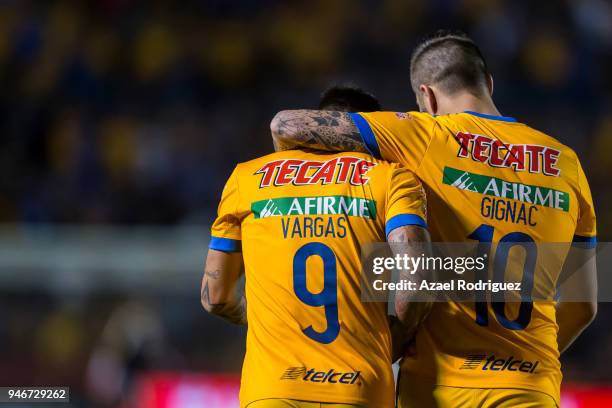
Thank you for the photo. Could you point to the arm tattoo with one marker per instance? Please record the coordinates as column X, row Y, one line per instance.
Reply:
column 413, row 241
column 205, row 295
column 213, row 274
column 319, row 130
column 416, row 237
column 233, row 311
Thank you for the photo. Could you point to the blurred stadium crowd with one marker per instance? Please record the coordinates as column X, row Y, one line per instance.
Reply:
column 135, row 112
column 119, row 111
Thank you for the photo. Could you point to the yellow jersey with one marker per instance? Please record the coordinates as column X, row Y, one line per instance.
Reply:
column 300, row 219
column 489, row 179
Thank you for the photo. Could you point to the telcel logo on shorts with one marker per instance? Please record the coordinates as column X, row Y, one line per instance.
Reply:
column 498, row 364
column 312, row 375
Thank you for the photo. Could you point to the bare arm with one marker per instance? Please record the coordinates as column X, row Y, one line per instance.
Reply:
column 313, row 129
column 577, row 305
column 413, row 241
column 219, row 292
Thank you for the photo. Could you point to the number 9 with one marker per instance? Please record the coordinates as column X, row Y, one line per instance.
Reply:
column 328, row 297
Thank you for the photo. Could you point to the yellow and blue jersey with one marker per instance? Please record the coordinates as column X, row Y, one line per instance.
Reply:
column 488, row 179
column 300, row 220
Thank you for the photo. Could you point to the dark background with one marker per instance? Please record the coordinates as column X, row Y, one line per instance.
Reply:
column 118, row 114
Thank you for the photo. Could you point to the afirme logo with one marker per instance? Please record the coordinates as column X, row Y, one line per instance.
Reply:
column 496, row 187
column 474, row 361
column 320, row 205
column 312, row 375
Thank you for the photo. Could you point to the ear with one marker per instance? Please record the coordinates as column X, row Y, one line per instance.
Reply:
column 490, row 84
column 430, row 102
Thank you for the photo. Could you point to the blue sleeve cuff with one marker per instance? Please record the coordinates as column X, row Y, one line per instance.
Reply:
column 225, row 244
column 368, row 137
column 404, row 219
column 585, row 242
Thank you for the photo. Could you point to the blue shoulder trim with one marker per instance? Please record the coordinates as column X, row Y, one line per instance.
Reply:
column 225, row 244
column 492, row 117
column 404, row 219
column 368, row 137
column 585, row 242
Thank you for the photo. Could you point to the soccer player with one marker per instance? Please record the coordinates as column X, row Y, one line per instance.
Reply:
column 297, row 221
column 488, row 178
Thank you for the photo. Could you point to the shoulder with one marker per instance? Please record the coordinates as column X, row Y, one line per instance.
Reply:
column 551, row 142
column 567, row 160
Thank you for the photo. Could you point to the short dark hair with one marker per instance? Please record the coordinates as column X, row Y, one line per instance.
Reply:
column 450, row 60
column 348, row 98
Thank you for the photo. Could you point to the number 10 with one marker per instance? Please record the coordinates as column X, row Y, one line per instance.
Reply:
column 484, row 234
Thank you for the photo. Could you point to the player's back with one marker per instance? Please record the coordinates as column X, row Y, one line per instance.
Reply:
column 491, row 179
column 303, row 218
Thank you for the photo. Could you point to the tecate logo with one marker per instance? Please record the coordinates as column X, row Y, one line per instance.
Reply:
column 491, row 363
column 312, row 375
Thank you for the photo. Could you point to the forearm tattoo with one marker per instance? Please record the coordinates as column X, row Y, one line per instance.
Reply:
column 233, row 311
column 319, row 130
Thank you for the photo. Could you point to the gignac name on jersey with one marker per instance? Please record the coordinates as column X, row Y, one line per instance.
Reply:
column 520, row 157
column 298, row 172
